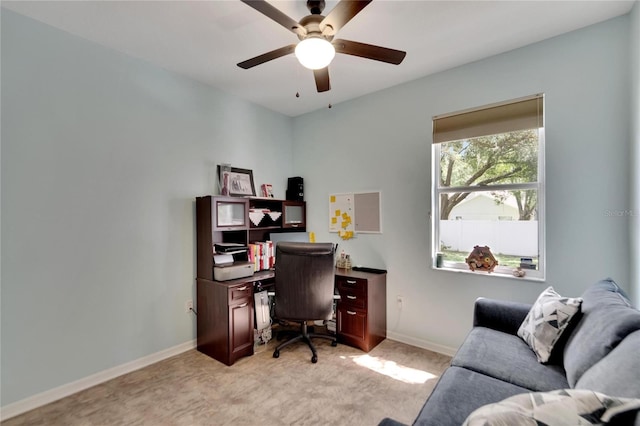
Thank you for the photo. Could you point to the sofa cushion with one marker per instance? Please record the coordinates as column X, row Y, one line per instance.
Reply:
column 507, row 357
column 459, row 392
column 618, row 373
column 607, row 318
column 564, row 406
column 547, row 320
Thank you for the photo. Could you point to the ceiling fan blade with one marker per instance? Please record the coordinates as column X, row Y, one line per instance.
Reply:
column 342, row 13
column 275, row 14
column 266, row 57
column 322, row 79
column 369, row 51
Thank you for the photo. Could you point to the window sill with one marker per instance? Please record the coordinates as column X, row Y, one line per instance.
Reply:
column 501, row 273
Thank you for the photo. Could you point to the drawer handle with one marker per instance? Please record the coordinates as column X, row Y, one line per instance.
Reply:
column 351, row 282
column 351, row 297
column 243, row 288
column 351, row 312
column 243, row 305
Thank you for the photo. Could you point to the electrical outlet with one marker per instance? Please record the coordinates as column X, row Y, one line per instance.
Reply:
column 188, row 305
column 400, row 301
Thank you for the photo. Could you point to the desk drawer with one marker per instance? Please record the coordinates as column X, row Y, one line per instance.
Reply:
column 353, row 299
column 351, row 284
column 352, row 325
column 239, row 293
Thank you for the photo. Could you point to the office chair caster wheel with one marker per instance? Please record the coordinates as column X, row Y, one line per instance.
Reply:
column 334, row 343
column 314, row 358
column 276, row 354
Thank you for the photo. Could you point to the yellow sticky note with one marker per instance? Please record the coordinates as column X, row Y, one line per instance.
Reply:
column 334, row 220
column 332, row 199
column 345, row 235
column 312, row 237
column 337, row 212
column 345, row 216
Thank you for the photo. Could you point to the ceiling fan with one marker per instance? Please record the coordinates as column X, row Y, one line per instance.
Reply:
column 316, row 47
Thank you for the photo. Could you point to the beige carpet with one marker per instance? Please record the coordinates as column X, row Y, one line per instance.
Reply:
column 345, row 387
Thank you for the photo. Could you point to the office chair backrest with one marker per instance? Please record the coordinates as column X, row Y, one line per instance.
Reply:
column 304, row 281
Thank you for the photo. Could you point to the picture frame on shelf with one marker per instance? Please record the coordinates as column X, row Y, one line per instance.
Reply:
column 237, row 182
column 223, row 173
column 267, row 190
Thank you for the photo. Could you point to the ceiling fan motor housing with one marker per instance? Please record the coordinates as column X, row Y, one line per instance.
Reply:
column 315, row 6
column 311, row 23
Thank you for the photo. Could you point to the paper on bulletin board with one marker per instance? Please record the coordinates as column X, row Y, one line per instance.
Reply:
column 341, row 214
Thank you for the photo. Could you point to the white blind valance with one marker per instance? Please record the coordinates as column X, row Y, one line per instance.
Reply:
column 511, row 116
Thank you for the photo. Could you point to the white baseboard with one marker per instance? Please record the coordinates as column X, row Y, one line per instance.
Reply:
column 424, row 344
column 38, row 400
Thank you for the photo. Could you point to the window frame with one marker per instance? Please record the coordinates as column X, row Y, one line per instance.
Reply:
column 500, row 271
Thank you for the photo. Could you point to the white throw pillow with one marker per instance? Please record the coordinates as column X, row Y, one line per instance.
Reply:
column 566, row 407
column 546, row 321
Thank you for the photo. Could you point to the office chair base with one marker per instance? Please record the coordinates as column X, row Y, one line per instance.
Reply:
column 306, row 337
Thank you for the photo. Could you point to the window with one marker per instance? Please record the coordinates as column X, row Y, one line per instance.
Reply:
column 488, row 185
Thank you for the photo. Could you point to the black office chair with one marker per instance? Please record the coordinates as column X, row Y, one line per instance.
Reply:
column 304, row 288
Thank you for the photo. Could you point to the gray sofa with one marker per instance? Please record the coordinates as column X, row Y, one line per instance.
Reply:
column 599, row 351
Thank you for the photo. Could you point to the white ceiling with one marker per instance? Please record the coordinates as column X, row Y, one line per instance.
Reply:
column 204, row 40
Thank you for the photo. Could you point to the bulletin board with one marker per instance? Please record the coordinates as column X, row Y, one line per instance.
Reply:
column 353, row 213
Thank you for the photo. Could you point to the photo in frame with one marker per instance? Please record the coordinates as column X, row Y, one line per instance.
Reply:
column 236, row 182
column 267, row 190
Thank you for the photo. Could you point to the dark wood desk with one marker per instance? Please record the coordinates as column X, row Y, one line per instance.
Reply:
column 225, row 313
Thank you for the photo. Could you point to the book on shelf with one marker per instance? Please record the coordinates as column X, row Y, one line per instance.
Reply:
column 261, row 253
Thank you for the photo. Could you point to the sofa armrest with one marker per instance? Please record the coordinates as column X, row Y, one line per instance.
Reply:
column 390, row 422
column 499, row 315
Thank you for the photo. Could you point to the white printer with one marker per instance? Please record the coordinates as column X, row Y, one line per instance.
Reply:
column 225, row 268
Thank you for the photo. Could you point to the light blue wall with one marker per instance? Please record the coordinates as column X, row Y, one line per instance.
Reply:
column 382, row 142
column 102, row 157
column 635, row 152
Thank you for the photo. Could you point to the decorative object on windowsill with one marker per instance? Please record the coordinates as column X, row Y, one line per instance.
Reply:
column 518, row 273
column 481, row 259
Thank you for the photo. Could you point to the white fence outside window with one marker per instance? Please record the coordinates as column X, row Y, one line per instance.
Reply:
column 516, row 238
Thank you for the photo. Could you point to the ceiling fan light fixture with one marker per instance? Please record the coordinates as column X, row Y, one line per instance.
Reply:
column 315, row 53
